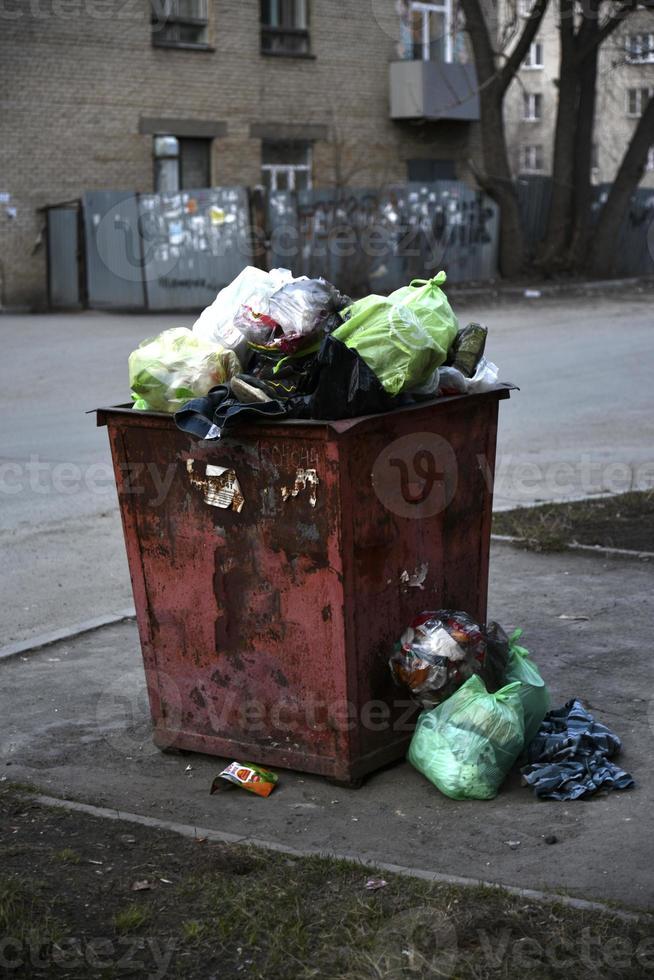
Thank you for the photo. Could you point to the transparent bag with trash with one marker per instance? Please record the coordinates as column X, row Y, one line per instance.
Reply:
column 466, row 745
column 168, row 370
column 440, row 650
column 252, row 288
column 402, row 337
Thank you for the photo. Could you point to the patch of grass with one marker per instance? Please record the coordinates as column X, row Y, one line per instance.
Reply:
column 235, row 911
column 131, row 918
column 67, row 854
column 622, row 521
column 192, row 930
column 25, row 916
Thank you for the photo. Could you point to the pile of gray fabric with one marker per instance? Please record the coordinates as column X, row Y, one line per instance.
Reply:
column 570, row 757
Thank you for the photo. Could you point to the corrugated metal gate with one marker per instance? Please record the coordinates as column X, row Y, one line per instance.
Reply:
column 114, row 253
column 372, row 240
column 194, row 243
column 63, row 257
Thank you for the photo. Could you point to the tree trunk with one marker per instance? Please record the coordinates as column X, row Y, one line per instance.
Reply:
column 499, row 184
column 497, row 179
column 552, row 250
column 583, row 188
column 605, row 236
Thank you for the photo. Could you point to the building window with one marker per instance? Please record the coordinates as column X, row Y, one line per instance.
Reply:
column 181, row 164
column 427, row 31
column 180, row 23
column 534, row 57
column 639, row 49
column 285, row 27
column 532, row 106
column 427, row 171
column 286, row 166
column 637, row 99
column 531, row 159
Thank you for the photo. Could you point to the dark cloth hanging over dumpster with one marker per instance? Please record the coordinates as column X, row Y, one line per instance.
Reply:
column 569, row 758
column 340, row 385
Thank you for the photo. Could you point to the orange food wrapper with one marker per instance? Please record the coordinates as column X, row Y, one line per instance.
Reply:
column 246, row 775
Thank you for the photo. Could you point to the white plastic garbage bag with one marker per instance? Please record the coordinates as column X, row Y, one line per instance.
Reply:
column 252, row 288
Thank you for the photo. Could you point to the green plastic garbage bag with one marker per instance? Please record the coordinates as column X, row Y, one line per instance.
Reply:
column 466, row 745
column 533, row 692
column 168, row 370
column 403, row 337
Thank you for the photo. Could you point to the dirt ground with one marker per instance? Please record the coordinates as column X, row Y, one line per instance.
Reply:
column 623, row 521
column 84, row 897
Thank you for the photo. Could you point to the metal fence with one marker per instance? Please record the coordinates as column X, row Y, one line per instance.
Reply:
column 176, row 251
column 633, row 255
column 369, row 240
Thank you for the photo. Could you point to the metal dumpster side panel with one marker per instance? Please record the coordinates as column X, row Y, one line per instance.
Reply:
column 398, row 562
column 243, row 635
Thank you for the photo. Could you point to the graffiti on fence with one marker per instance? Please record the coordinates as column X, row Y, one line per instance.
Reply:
column 378, row 239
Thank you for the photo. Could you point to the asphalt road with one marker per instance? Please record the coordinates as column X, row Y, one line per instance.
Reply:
column 582, row 423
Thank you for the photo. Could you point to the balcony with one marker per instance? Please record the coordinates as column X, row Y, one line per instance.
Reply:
column 433, row 90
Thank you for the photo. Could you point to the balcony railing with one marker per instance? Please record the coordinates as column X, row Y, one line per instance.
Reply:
column 433, row 90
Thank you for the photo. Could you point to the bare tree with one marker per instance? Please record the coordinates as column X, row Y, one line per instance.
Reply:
column 495, row 71
column 584, row 25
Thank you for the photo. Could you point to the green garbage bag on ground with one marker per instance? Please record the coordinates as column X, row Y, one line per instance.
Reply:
column 533, row 692
column 466, row 745
column 402, row 337
column 168, row 370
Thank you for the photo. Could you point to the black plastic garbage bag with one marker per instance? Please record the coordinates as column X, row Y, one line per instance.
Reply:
column 339, row 385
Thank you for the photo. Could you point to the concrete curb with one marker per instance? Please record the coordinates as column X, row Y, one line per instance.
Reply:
column 188, row 830
column 595, row 549
column 66, row 633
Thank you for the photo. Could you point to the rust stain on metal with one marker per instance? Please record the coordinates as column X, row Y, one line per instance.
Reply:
column 220, row 486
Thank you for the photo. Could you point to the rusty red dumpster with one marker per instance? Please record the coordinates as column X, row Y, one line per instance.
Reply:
column 274, row 570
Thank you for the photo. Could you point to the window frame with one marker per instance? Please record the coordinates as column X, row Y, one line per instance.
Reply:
column 179, row 158
column 290, row 169
column 159, row 40
column 538, row 166
column 426, row 8
column 643, row 94
column 528, row 64
column 635, row 57
column 537, row 115
column 268, row 31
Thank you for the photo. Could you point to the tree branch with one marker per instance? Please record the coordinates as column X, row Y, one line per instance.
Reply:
column 480, row 39
column 519, row 53
column 609, row 26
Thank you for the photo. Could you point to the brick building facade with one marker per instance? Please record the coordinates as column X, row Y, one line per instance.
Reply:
column 252, row 91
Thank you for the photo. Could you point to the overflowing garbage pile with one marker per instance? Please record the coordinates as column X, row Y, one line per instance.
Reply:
column 485, row 705
column 277, row 346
